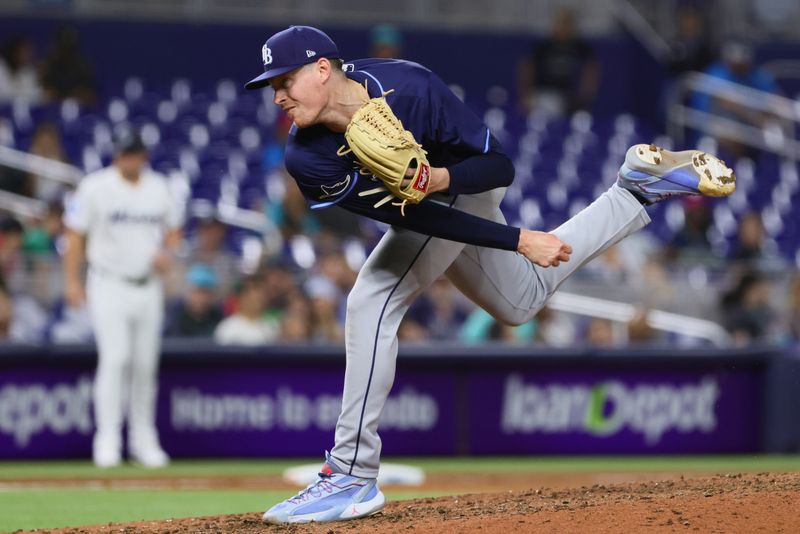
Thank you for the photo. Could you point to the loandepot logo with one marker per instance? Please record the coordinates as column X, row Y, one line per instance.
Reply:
column 605, row 408
column 27, row 410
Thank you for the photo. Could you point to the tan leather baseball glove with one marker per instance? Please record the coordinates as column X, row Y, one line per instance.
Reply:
column 387, row 150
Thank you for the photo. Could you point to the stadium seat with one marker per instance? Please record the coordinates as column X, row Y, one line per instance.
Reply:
column 216, row 135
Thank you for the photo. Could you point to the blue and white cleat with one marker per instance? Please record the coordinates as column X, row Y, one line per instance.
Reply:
column 334, row 496
column 654, row 174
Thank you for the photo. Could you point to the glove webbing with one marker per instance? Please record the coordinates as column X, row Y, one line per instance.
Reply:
column 388, row 133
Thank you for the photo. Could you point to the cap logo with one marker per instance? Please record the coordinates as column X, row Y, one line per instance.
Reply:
column 310, row 53
column 266, row 55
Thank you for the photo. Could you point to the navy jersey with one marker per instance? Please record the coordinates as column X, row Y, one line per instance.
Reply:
column 449, row 131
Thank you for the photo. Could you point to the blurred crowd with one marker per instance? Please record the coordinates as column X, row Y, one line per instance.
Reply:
column 750, row 288
column 61, row 72
column 756, row 296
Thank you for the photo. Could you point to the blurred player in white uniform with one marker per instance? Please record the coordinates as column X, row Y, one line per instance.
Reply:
column 125, row 220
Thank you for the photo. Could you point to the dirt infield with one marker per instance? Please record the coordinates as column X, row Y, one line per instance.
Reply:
column 726, row 504
column 456, row 483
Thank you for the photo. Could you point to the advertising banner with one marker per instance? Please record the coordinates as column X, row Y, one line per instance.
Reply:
column 254, row 410
column 293, row 412
column 211, row 411
column 636, row 412
column 45, row 413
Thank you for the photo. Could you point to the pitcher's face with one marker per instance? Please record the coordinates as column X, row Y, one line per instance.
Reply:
column 301, row 94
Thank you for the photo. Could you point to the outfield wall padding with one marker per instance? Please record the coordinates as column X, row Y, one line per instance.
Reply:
column 283, row 401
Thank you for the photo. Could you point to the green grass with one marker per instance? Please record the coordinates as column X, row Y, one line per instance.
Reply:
column 30, row 509
column 47, row 508
column 61, row 508
column 554, row 464
column 198, row 468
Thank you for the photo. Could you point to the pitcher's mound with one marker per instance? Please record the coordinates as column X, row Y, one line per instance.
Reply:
column 726, row 503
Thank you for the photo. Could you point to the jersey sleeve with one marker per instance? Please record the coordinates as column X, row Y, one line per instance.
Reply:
column 438, row 220
column 78, row 212
column 454, row 124
column 479, row 163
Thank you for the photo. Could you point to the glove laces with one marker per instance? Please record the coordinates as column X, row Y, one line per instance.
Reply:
column 364, row 170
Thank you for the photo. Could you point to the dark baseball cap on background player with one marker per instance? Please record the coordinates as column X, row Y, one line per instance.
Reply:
column 129, row 141
column 291, row 49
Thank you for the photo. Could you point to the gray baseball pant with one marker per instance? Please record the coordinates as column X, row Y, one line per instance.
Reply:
column 504, row 283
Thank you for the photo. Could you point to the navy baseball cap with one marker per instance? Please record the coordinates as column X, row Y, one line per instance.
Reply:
column 290, row 49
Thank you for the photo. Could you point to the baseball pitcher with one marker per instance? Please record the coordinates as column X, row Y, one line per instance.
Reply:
column 388, row 140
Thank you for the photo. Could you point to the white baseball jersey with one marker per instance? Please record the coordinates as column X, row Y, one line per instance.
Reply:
column 124, row 222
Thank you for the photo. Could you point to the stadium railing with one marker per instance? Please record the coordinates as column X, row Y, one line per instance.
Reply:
column 622, row 312
column 778, row 135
